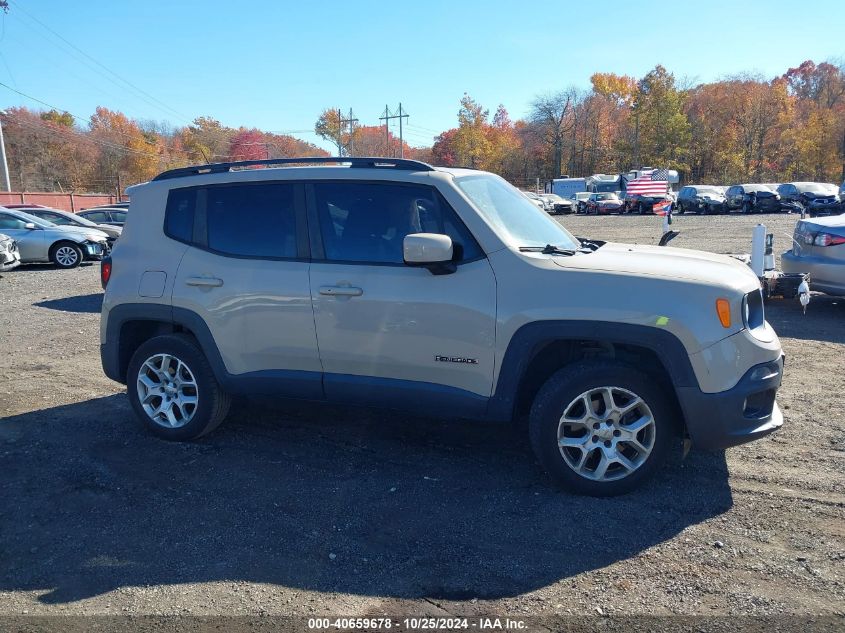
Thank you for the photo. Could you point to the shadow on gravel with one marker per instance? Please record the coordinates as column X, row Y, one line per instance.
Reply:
column 313, row 497
column 822, row 322
column 82, row 303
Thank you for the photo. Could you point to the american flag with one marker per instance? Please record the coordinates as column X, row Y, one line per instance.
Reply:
column 649, row 183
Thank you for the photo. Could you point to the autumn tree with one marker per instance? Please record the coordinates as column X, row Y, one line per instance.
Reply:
column 552, row 116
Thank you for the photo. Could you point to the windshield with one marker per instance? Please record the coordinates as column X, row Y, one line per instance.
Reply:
column 606, row 196
column 512, row 216
column 70, row 218
column 553, row 197
column 708, row 190
column 605, row 186
column 757, row 189
column 812, row 187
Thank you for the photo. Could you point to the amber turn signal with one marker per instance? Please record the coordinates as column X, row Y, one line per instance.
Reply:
column 723, row 309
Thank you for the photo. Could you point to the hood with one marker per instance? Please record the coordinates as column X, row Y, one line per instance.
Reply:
column 667, row 263
column 84, row 231
column 111, row 231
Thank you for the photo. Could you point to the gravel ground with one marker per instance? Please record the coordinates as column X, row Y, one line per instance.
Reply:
column 305, row 509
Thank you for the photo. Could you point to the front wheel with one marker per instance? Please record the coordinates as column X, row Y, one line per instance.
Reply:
column 600, row 428
column 172, row 388
column 66, row 255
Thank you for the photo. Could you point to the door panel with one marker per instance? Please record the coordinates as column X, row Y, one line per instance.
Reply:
column 31, row 243
column 259, row 311
column 404, row 319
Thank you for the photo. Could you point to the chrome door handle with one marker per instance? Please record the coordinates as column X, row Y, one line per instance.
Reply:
column 212, row 282
column 341, row 291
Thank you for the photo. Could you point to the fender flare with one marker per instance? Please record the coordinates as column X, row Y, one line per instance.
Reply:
column 532, row 337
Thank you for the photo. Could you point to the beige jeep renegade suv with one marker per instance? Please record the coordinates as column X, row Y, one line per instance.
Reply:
column 393, row 283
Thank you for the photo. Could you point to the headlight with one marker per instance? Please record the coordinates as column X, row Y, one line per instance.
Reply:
column 753, row 313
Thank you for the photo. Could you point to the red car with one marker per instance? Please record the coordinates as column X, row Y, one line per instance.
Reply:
column 603, row 203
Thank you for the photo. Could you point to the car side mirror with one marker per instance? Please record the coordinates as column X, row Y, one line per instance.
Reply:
column 29, row 226
column 429, row 250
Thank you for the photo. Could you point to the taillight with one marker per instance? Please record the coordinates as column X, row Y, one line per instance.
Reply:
column 826, row 239
column 105, row 271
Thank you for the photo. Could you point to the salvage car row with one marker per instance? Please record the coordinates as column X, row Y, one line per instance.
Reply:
column 36, row 234
column 810, row 198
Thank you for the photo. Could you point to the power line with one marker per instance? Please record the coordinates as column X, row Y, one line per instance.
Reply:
column 42, row 126
column 144, row 95
column 74, row 116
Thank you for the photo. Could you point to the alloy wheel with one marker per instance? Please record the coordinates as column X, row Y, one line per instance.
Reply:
column 167, row 391
column 606, row 433
column 67, row 256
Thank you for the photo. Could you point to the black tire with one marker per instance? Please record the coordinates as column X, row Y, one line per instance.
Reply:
column 640, row 208
column 562, row 388
column 212, row 402
column 66, row 255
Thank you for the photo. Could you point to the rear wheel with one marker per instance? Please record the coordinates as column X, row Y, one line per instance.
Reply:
column 600, row 428
column 172, row 388
column 66, row 255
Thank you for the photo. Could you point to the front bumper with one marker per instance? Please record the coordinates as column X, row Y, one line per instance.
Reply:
column 95, row 250
column 738, row 415
column 9, row 257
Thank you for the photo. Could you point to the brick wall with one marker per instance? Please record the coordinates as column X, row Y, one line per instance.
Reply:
column 64, row 201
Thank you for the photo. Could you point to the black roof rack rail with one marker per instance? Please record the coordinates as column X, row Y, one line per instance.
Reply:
column 352, row 161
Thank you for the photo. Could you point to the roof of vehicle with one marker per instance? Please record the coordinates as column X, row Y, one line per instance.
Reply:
column 755, row 186
column 350, row 161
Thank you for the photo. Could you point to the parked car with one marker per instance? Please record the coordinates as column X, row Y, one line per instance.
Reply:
column 113, row 205
column 440, row 290
column 818, row 248
column 24, row 206
column 817, row 198
column 10, row 257
column 42, row 241
column 112, row 216
column 579, row 201
column 842, row 193
column 603, row 203
column 637, row 203
column 539, row 202
column 64, row 218
column 704, row 199
column 556, row 204
column 750, row 198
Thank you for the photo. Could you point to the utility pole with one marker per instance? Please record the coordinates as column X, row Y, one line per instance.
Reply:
column 401, row 142
column 7, row 185
column 351, row 121
column 339, row 135
column 386, row 118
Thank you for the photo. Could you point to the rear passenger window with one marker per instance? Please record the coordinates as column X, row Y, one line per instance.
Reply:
column 252, row 220
column 368, row 222
column 179, row 218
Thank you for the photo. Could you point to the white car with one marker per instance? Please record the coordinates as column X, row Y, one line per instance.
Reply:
column 556, row 204
column 9, row 255
column 579, row 201
column 537, row 200
column 42, row 241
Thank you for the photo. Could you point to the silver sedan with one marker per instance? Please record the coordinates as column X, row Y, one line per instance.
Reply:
column 818, row 248
column 42, row 241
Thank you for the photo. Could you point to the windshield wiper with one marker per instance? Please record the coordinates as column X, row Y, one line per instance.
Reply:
column 590, row 245
column 549, row 249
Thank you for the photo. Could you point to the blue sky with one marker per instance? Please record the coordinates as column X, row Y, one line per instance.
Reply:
column 276, row 65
